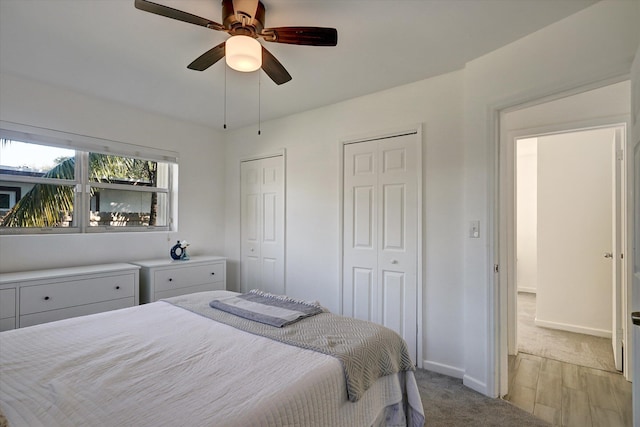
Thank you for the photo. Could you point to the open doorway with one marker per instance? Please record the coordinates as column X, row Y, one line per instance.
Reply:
column 567, row 214
column 606, row 106
column 568, row 277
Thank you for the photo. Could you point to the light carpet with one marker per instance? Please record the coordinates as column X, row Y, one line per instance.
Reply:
column 578, row 349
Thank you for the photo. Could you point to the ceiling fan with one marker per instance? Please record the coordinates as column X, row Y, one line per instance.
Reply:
column 246, row 18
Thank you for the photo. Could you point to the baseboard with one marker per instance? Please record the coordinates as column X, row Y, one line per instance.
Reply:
column 474, row 384
column 443, row 369
column 573, row 328
column 452, row 371
column 527, row 290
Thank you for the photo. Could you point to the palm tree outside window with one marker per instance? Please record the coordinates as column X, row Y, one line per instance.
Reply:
column 55, row 183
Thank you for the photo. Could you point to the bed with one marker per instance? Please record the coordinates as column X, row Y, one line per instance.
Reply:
column 162, row 364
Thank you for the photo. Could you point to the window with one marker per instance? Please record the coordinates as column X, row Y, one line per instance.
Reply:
column 45, row 180
column 46, row 188
column 127, row 192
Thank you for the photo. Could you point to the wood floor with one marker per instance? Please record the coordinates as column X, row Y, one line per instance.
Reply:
column 569, row 395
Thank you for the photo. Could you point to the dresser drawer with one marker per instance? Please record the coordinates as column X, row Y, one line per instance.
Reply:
column 53, row 296
column 187, row 276
column 218, row 286
column 81, row 310
column 7, row 303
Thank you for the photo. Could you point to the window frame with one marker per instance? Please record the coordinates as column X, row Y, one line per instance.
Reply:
column 83, row 145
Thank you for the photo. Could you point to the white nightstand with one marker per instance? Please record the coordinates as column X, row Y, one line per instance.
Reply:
column 164, row 278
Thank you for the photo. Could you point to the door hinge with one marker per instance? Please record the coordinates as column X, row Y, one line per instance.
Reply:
column 496, row 268
column 619, row 154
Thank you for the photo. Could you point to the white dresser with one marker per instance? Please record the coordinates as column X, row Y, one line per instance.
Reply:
column 33, row 297
column 164, row 278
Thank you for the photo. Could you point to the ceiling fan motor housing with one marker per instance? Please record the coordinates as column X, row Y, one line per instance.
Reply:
column 242, row 23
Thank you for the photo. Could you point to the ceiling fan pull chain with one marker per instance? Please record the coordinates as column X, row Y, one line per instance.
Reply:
column 225, row 97
column 259, row 103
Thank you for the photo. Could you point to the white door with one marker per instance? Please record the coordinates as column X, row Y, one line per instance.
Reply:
column 617, row 327
column 262, row 224
column 380, row 240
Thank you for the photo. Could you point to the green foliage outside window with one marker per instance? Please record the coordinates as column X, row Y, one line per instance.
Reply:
column 47, row 205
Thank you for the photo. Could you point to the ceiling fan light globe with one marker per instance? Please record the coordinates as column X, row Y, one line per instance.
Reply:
column 243, row 53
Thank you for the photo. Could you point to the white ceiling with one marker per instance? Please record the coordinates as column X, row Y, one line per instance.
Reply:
column 109, row 49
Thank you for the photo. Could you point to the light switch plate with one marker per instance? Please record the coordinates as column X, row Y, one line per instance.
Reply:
column 474, row 229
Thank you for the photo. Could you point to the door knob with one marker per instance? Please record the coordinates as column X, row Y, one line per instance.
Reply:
column 607, row 255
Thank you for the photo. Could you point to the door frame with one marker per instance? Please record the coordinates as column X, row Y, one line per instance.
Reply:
column 415, row 129
column 279, row 153
column 504, row 215
column 509, row 211
column 496, row 309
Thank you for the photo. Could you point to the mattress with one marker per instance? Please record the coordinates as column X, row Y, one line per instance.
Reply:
column 161, row 365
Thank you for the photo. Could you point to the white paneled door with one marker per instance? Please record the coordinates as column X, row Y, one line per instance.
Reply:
column 380, row 252
column 617, row 242
column 262, row 224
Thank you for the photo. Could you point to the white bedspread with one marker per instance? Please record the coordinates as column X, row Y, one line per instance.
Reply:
column 160, row 365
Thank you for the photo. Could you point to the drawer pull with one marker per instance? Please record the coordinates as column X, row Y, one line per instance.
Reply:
column 170, row 279
column 46, row 298
column 118, row 287
column 213, row 274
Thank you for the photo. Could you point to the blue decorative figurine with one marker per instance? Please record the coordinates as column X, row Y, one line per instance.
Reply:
column 179, row 251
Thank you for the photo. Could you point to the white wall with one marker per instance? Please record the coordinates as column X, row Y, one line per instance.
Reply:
column 602, row 105
column 592, row 45
column 312, row 143
column 575, row 182
column 527, row 214
column 201, row 177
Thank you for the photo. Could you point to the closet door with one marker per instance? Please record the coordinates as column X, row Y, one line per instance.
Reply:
column 380, row 234
column 360, row 222
column 262, row 224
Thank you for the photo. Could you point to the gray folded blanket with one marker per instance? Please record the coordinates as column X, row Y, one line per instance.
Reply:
column 274, row 310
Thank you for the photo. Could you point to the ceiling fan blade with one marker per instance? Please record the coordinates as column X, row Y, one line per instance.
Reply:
column 308, row 36
column 172, row 13
column 208, row 58
column 274, row 68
